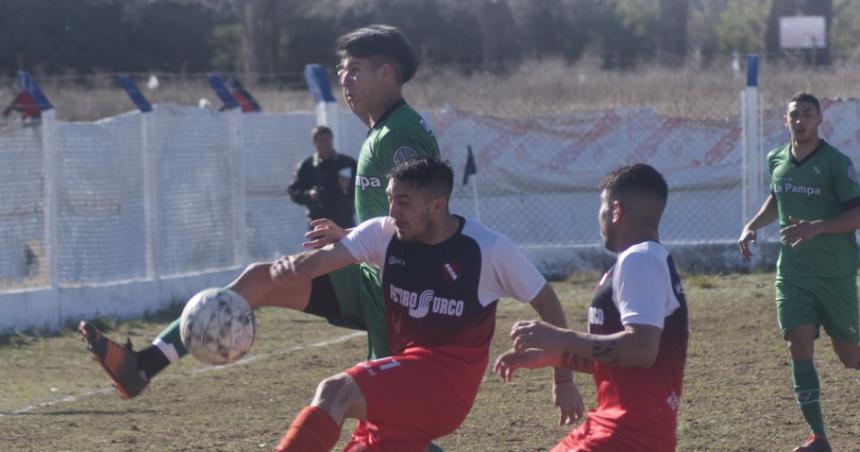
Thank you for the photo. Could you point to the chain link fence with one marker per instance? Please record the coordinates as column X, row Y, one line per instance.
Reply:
column 182, row 190
column 538, row 178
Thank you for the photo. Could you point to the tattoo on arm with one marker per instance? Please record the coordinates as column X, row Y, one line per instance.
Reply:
column 605, row 352
column 575, row 362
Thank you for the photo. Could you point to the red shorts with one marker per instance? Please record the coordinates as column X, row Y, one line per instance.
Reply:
column 593, row 437
column 409, row 401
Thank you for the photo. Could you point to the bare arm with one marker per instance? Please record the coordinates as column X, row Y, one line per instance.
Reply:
column 309, row 264
column 549, row 310
column 565, row 393
column 635, row 346
column 766, row 215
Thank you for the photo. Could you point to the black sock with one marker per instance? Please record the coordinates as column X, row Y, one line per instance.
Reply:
column 152, row 361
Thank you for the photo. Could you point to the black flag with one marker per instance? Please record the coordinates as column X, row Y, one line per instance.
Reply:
column 471, row 168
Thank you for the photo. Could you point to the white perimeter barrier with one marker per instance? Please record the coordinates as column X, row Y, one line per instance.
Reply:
column 132, row 213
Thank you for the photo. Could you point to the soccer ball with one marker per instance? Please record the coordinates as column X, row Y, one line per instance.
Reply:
column 217, row 326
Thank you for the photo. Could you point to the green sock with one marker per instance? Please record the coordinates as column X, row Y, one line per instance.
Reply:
column 806, row 389
column 170, row 339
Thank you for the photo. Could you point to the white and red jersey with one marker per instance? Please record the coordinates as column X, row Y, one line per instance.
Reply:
column 640, row 405
column 440, row 300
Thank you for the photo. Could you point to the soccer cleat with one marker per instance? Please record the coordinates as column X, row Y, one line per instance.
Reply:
column 119, row 361
column 814, row 443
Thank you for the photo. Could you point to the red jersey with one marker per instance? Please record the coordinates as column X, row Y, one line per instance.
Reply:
column 638, row 407
column 440, row 300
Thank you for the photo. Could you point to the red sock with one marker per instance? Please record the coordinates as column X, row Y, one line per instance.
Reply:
column 313, row 430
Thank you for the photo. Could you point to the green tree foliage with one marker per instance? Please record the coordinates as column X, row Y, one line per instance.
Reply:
column 628, row 31
column 82, row 36
column 702, row 30
column 741, row 26
column 227, row 46
column 845, row 31
column 276, row 38
column 672, row 29
column 552, row 28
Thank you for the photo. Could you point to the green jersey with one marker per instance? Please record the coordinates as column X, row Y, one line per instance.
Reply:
column 822, row 186
column 400, row 134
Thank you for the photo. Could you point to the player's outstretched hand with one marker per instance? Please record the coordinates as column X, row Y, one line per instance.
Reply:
column 528, row 334
column 324, row 232
column 512, row 360
column 799, row 231
column 747, row 238
column 283, row 270
column 569, row 402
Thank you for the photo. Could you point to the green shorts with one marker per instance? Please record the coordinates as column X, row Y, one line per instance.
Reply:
column 352, row 298
column 827, row 302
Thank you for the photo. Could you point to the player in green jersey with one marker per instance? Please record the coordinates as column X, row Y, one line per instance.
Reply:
column 816, row 197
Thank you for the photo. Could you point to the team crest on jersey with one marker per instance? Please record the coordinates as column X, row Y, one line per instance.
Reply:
column 404, row 153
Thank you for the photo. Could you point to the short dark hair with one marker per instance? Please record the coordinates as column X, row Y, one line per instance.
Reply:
column 383, row 41
column 638, row 178
column 806, row 97
column 321, row 130
column 426, row 172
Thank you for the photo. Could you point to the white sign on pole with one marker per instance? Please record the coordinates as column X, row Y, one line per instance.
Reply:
column 802, row 32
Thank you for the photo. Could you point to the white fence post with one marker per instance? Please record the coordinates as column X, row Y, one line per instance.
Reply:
column 240, row 192
column 150, row 199
column 49, row 172
column 752, row 160
column 327, row 109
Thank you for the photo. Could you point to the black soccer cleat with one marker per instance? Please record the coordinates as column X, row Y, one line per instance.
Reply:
column 814, row 443
column 119, row 361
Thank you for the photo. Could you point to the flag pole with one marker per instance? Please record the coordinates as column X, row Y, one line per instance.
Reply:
column 475, row 197
column 471, row 170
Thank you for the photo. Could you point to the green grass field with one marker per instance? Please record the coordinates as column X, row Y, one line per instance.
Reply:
column 737, row 390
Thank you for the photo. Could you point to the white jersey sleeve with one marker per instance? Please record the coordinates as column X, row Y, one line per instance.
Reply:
column 368, row 241
column 642, row 285
column 515, row 275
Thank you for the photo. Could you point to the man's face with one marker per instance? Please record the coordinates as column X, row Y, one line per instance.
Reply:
column 410, row 207
column 324, row 144
column 604, row 220
column 360, row 81
column 802, row 121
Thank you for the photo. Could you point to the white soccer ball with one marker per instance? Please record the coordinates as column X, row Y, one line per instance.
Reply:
column 217, row 326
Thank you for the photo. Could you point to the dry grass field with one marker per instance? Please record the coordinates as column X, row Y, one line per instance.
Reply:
column 539, row 87
column 737, row 397
column 737, row 394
